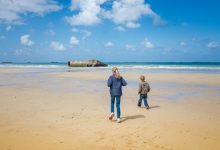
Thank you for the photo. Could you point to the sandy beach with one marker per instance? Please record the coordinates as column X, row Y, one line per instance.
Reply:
column 63, row 110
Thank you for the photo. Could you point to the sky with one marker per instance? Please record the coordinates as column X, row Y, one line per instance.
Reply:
column 110, row 30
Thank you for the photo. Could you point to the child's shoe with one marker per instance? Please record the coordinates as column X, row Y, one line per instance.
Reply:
column 118, row 120
column 111, row 116
column 148, row 107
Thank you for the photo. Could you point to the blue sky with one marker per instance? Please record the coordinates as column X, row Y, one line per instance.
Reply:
column 109, row 30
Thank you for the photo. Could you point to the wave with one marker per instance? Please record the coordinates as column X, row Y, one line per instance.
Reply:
column 144, row 67
column 169, row 67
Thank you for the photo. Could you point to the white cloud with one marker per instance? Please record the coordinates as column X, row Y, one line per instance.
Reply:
column 120, row 28
column 11, row 11
column 133, row 25
column 130, row 47
column 75, row 30
column 24, row 51
column 25, row 40
column 57, row 46
column 109, row 44
column 89, row 11
column 8, row 28
column 86, row 34
column 157, row 20
column 130, row 11
column 19, row 52
column 124, row 12
column 50, row 32
column 147, row 43
column 212, row 44
column 74, row 40
column 182, row 43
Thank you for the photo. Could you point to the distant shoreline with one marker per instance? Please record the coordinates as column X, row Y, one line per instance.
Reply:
column 198, row 67
column 125, row 62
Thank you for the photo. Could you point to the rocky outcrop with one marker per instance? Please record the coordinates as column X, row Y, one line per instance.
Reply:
column 86, row 63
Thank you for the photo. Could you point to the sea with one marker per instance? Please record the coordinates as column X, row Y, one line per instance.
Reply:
column 188, row 67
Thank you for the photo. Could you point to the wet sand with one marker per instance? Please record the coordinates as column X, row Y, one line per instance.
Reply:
column 69, row 111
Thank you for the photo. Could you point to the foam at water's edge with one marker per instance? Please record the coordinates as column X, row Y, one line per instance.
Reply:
column 140, row 67
column 170, row 67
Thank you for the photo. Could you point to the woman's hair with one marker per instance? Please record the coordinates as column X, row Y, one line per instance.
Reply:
column 117, row 74
column 142, row 78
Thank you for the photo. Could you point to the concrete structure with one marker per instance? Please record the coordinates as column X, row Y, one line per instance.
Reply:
column 86, row 63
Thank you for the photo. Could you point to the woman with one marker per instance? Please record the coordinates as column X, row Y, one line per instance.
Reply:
column 115, row 82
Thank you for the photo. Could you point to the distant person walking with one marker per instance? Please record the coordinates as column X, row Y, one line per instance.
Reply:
column 115, row 82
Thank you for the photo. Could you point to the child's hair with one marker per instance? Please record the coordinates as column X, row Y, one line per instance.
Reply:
column 142, row 78
column 117, row 74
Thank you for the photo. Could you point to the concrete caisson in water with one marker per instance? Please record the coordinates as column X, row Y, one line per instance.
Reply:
column 86, row 63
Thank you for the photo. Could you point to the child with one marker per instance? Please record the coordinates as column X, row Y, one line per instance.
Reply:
column 115, row 82
column 144, row 88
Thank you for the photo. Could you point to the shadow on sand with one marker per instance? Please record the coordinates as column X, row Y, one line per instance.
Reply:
column 131, row 117
column 155, row 106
